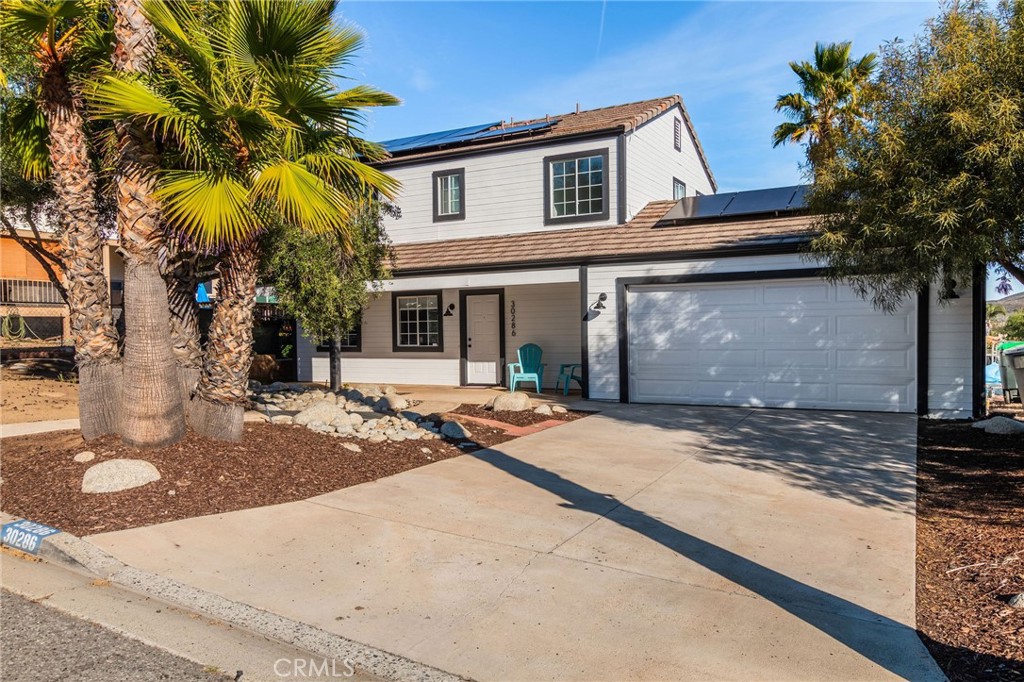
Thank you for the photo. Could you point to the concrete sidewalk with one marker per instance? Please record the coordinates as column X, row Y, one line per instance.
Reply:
column 641, row 543
column 29, row 428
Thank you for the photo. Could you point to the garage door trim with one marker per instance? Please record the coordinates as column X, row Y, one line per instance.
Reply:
column 622, row 285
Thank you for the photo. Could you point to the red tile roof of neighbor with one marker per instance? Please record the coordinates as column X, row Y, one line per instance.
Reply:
column 621, row 118
column 640, row 238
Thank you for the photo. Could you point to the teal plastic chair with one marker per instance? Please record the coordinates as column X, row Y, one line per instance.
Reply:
column 529, row 368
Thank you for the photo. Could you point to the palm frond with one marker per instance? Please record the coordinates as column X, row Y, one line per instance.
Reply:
column 209, row 208
column 302, row 198
column 26, row 137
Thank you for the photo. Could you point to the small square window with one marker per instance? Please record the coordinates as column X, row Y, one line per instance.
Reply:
column 449, row 194
column 417, row 322
column 677, row 134
column 678, row 189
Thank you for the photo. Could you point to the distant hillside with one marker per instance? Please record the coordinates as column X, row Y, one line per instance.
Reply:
column 1012, row 303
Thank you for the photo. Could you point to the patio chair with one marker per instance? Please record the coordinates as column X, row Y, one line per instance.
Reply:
column 529, row 368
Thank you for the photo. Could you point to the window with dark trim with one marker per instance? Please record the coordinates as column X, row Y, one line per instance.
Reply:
column 416, row 321
column 352, row 342
column 576, row 187
column 677, row 134
column 678, row 189
column 449, row 194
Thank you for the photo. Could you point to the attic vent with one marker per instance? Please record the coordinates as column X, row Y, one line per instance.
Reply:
column 677, row 134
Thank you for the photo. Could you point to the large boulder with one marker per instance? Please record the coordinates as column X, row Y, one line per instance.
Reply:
column 511, row 402
column 323, row 411
column 395, row 403
column 455, row 431
column 543, row 409
column 118, row 474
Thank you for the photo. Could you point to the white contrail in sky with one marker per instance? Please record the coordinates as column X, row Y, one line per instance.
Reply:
column 600, row 31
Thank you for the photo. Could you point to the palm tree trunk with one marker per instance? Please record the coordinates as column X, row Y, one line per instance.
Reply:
column 182, row 278
column 92, row 327
column 153, row 413
column 219, row 403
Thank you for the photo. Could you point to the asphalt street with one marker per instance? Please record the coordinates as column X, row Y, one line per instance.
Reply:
column 42, row 644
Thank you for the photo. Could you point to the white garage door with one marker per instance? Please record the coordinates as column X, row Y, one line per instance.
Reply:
column 783, row 343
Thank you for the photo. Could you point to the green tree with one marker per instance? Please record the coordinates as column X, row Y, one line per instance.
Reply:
column 1013, row 328
column 324, row 281
column 49, row 135
column 931, row 187
column 257, row 133
column 834, row 90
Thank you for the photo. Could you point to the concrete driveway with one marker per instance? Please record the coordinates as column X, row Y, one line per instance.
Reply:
column 642, row 543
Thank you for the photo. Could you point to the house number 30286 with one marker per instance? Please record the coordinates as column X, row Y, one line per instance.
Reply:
column 512, row 316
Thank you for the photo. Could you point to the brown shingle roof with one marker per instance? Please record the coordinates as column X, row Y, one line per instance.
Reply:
column 639, row 238
column 615, row 119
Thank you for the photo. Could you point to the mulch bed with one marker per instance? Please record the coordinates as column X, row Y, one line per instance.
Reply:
column 525, row 418
column 270, row 465
column 970, row 550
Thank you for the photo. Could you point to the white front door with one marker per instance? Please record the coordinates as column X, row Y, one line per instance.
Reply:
column 483, row 340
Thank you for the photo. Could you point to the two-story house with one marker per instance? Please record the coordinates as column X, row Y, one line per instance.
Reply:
column 599, row 236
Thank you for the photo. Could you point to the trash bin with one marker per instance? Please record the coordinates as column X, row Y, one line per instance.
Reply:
column 1015, row 361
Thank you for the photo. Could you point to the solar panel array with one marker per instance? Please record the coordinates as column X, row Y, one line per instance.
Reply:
column 470, row 133
column 735, row 204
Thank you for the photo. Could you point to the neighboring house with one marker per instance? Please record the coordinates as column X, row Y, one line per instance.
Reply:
column 598, row 236
column 26, row 289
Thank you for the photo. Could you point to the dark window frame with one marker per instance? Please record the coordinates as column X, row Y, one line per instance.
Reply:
column 677, row 133
column 606, row 200
column 675, row 182
column 395, row 347
column 325, row 345
column 435, row 181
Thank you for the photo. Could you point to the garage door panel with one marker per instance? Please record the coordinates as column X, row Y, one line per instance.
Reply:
column 788, row 343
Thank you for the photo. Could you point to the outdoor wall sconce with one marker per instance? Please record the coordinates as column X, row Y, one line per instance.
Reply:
column 450, row 310
column 595, row 306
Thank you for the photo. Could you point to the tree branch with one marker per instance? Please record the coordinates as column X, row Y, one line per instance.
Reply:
column 1013, row 269
column 46, row 259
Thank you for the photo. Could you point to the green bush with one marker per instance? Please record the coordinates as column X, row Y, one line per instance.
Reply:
column 1014, row 326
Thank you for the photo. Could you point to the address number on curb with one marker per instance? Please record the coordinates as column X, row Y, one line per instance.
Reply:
column 25, row 535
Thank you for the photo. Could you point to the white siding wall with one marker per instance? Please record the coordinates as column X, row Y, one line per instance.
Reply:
column 652, row 161
column 549, row 316
column 504, row 194
column 546, row 314
column 949, row 357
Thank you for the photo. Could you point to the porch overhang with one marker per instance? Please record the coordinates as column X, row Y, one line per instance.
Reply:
column 480, row 280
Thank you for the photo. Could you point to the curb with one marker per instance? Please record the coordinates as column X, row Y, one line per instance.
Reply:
column 80, row 554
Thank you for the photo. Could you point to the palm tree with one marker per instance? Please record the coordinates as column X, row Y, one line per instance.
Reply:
column 833, row 92
column 51, row 138
column 257, row 133
column 152, row 412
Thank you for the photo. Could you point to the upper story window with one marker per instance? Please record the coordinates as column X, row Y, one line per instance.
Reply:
column 677, row 134
column 576, row 187
column 678, row 189
column 450, row 194
column 416, row 319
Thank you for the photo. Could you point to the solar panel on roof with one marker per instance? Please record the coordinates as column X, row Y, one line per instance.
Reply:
column 513, row 131
column 733, row 204
column 435, row 139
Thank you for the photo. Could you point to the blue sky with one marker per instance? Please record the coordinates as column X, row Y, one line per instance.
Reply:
column 459, row 63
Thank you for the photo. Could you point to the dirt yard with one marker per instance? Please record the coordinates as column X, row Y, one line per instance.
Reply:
column 38, row 390
column 970, row 550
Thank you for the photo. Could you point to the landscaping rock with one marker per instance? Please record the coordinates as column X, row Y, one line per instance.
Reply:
column 543, row 409
column 390, row 390
column 322, row 411
column 281, row 419
column 254, row 416
column 1017, row 601
column 355, row 419
column 86, row 456
column 511, row 402
column 1000, row 425
column 377, row 438
column 455, row 431
column 414, row 417
column 395, row 402
column 558, row 409
column 118, row 474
